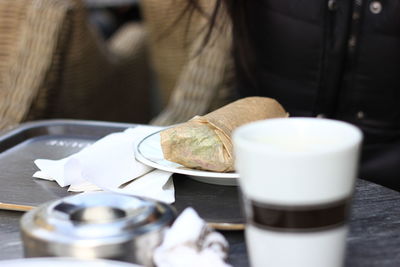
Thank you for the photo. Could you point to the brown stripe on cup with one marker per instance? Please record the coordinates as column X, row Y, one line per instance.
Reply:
column 298, row 218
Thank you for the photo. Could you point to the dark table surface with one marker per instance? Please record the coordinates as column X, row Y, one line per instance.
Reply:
column 374, row 238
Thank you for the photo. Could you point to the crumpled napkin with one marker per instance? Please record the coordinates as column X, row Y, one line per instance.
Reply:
column 109, row 164
column 190, row 242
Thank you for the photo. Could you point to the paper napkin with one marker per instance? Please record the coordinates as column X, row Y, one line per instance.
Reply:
column 190, row 242
column 109, row 164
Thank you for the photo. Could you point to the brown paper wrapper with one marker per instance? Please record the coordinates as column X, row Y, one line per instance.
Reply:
column 205, row 142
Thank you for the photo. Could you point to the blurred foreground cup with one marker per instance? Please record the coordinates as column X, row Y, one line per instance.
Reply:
column 297, row 177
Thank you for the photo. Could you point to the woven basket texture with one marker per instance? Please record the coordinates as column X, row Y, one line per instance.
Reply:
column 54, row 65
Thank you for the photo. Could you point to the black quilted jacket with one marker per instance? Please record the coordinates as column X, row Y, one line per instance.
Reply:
column 332, row 58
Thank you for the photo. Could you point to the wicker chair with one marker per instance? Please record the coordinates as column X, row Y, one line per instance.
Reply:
column 191, row 83
column 53, row 65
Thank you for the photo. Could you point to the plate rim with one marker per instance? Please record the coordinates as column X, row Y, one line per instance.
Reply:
column 198, row 173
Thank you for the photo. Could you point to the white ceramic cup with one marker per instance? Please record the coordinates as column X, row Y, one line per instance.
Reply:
column 297, row 177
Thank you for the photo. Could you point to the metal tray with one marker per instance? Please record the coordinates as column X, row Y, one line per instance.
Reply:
column 56, row 139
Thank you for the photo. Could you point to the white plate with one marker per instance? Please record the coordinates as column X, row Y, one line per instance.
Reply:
column 64, row 262
column 148, row 151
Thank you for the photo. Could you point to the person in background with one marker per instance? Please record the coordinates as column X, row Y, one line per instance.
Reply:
column 189, row 81
column 328, row 59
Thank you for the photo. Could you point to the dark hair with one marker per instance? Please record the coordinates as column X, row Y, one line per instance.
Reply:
column 238, row 11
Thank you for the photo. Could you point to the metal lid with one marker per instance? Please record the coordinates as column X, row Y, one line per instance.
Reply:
column 96, row 216
column 97, row 225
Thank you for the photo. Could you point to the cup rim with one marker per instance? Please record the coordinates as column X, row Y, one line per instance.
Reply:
column 241, row 136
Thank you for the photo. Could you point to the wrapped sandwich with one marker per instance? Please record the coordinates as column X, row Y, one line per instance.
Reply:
column 204, row 142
